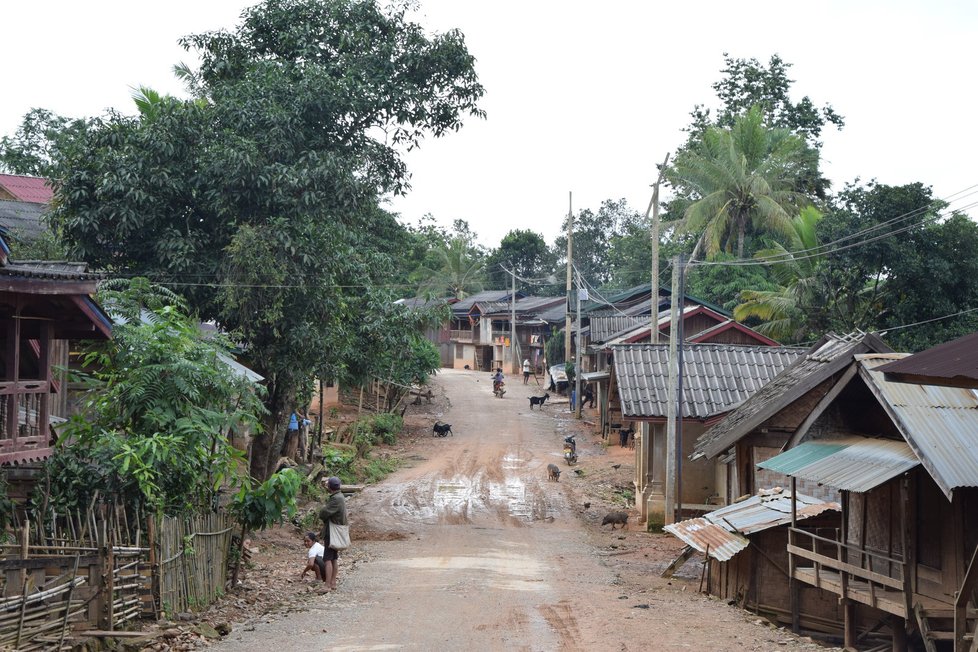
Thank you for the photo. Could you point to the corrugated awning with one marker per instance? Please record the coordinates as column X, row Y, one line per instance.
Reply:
column 592, row 376
column 722, row 531
column 849, row 464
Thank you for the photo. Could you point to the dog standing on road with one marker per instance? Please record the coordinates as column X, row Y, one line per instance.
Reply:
column 442, row 429
column 538, row 400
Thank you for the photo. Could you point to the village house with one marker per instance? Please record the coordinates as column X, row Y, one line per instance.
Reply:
column 747, row 559
column 43, row 307
column 902, row 462
column 716, row 379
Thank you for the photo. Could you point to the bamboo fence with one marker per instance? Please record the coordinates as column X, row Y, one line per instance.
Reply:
column 193, row 560
column 102, row 568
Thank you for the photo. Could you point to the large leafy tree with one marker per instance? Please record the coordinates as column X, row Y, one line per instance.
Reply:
column 523, row 251
column 740, row 181
column 594, row 233
column 259, row 198
column 747, row 83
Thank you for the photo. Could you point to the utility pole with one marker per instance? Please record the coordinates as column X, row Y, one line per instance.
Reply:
column 670, row 488
column 570, row 265
column 654, row 206
column 681, row 337
column 512, row 325
column 577, row 356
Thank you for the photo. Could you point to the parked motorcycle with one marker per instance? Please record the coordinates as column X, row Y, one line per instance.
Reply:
column 570, row 450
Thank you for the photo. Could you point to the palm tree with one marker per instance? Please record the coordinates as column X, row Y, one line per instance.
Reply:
column 787, row 311
column 459, row 273
column 742, row 180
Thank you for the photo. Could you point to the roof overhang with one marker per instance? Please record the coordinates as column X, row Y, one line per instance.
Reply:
column 849, row 464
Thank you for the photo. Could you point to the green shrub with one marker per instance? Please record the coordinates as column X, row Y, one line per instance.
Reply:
column 387, row 426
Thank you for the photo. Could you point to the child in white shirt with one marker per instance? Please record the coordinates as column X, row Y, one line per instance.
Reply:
column 314, row 558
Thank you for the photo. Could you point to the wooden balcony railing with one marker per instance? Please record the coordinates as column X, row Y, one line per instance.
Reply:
column 850, row 571
column 462, row 336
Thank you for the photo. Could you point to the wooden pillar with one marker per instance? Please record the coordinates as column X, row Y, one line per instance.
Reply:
column 44, row 365
column 899, row 627
column 793, row 587
column 13, row 374
column 849, row 625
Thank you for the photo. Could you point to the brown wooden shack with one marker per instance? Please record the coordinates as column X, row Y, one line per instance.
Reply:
column 905, row 459
column 746, row 545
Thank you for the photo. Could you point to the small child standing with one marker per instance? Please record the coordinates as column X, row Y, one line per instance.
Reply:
column 314, row 559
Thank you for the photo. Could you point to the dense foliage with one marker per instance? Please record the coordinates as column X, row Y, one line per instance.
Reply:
column 262, row 193
column 160, row 407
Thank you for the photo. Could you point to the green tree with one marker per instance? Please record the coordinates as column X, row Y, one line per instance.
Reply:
column 594, row 232
column 522, row 251
column 937, row 276
column 870, row 226
column 789, row 312
column 741, row 181
column 259, row 199
column 748, row 83
column 38, row 141
column 458, row 272
column 160, row 407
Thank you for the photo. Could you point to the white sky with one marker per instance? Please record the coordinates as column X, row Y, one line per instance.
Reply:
column 582, row 97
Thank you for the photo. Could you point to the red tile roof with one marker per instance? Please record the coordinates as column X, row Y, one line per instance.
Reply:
column 30, row 189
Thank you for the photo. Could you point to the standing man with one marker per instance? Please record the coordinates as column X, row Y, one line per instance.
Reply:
column 526, row 370
column 333, row 511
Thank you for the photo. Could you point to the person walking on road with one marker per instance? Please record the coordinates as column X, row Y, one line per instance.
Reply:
column 334, row 511
column 526, row 370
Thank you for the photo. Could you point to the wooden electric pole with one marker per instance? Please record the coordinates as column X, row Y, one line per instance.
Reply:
column 654, row 206
column 570, row 265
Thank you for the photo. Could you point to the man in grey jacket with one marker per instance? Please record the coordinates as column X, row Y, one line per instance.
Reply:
column 333, row 511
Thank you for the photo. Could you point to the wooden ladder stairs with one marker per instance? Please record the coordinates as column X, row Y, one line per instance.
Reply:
column 937, row 625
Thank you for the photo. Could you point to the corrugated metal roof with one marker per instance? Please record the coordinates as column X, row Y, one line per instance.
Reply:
column 591, row 376
column 24, row 188
column 464, row 305
column 724, row 528
column 849, row 464
column 23, row 220
column 604, row 326
column 825, row 358
column 953, row 363
column 717, row 377
column 55, row 270
column 939, row 423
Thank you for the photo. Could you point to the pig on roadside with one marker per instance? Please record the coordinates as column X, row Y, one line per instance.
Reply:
column 553, row 472
column 615, row 518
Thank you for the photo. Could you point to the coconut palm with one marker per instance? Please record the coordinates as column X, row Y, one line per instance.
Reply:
column 786, row 311
column 741, row 180
column 459, row 272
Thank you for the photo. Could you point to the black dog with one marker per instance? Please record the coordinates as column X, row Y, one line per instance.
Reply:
column 538, row 400
column 442, row 430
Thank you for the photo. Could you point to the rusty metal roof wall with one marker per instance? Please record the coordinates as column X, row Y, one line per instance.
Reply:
column 848, row 463
column 939, row 423
column 724, row 529
column 955, row 361
column 822, row 360
column 716, row 378
column 703, row 535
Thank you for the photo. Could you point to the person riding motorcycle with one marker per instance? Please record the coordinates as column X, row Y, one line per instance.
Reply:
column 497, row 379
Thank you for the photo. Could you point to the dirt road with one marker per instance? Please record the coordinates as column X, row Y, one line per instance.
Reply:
column 472, row 548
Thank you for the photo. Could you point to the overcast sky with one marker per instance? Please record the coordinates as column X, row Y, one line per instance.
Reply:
column 581, row 97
